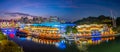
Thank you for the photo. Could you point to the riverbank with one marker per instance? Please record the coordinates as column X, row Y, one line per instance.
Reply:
column 7, row 45
column 108, row 46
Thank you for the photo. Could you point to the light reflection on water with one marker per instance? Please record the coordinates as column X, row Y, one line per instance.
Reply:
column 95, row 40
column 43, row 41
column 58, row 43
column 61, row 44
column 83, row 44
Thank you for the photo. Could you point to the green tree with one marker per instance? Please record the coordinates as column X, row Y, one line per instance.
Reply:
column 68, row 29
column 2, row 37
column 95, row 20
column 118, row 29
column 74, row 30
column 9, row 46
column 71, row 29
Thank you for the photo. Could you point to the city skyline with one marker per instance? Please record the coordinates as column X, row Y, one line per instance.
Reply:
column 65, row 9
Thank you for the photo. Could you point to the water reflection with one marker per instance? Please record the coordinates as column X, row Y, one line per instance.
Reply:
column 45, row 41
column 40, row 40
column 61, row 44
column 95, row 40
column 58, row 43
column 8, row 31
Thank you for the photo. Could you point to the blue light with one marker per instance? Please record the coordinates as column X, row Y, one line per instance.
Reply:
column 22, row 38
column 61, row 45
column 8, row 31
column 96, row 33
column 96, row 38
column 63, row 41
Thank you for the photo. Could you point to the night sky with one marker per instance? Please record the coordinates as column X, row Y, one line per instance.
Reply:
column 68, row 9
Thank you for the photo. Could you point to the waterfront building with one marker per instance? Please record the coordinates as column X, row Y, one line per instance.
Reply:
column 60, row 26
column 45, row 29
column 8, row 23
column 94, row 30
column 42, row 31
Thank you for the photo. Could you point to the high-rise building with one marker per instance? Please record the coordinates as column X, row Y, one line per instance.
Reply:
column 53, row 19
column 37, row 20
column 24, row 20
column 21, row 20
column 45, row 19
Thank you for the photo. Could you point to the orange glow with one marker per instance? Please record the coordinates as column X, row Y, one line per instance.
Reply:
column 82, row 29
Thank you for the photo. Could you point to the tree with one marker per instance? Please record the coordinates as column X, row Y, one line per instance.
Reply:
column 71, row 29
column 95, row 20
column 74, row 30
column 68, row 29
column 2, row 37
column 117, row 29
column 9, row 46
column 118, row 25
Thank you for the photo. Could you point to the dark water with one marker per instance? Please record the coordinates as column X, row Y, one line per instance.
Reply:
column 110, row 46
column 31, row 46
column 34, row 46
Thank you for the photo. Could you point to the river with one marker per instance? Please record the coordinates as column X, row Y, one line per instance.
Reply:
column 31, row 44
column 108, row 46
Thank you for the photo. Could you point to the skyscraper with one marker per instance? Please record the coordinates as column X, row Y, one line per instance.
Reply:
column 37, row 19
column 53, row 19
column 24, row 20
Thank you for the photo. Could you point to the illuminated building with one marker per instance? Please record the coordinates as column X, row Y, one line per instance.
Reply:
column 42, row 32
column 45, row 29
column 60, row 26
column 94, row 30
column 8, row 24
